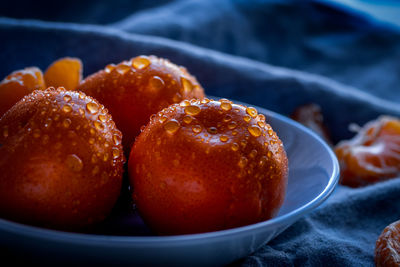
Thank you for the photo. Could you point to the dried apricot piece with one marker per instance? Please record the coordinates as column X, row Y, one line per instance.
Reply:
column 135, row 89
column 373, row 155
column 387, row 250
column 205, row 165
column 65, row 72
column 61, row 160
column 19, row 84
column 310, row 115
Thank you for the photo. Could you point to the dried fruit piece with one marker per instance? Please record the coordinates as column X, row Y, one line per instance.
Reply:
column 61, row 165
column 201, row 175
column 373, row 155
column 17, row 85
column 387, row 250
column 310, row 115
column 65, row 72
column 134, row 90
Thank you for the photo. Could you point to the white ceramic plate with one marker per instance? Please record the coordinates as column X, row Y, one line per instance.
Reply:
column 124, row 239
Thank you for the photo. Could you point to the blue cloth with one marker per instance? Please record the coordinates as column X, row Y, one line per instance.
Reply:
column 274, row 54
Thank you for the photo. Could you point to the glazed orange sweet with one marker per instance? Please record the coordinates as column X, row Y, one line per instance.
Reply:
column 373, row 155
column 135, row 89
column 387, row 250
column 61, row 160
column 202, row 166
column 17, row 85
column 65, row 72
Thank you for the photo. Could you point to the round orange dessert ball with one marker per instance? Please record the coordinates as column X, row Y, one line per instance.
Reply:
column 135, row 89
column 61, row 160
column 202, row 166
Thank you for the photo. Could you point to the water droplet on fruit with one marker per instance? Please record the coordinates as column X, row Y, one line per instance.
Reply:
column 270, row 132
column 74, row 163
column 163, row 118
column 184, row 103
column 269, row 154
column 81, row 95
column 205, row 101
column 261, row 124
column 122, row 69
column 187, row 119
column 93, row 108
column 116, row 139
column 235, row 147
column 252, row 112
column 262, row 161
column 115, row 153
column 192, row 110
column 243, row 143
column 187, row 85
column 156, row 83
column 67, row 123
column 242, row 162
column 91, row 140
column 109, row 68
column 254, row 130
column 246, row 118
column 234, row 133
column 212, row 130
column 99, row 126
column 226, row 106
column 67, row 108
column 105, row 157
column 140, row 63
column 81, row 111
column 253, row 153
column 102, row 118
column 67, row 98
column 227, row 118
column 232, row 125
column 197, row 129
column 48, row 123
column 171, row 126
column 261, row 117
column 223, row 138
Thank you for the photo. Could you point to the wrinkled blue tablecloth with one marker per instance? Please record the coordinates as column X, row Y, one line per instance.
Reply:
column 274, row 54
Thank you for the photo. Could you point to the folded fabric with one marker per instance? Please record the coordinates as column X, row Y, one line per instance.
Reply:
column 274, row 54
